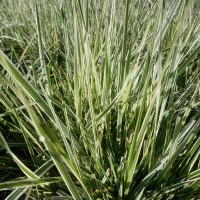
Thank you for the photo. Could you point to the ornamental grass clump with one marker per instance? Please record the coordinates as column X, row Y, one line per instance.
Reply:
column 99, row 99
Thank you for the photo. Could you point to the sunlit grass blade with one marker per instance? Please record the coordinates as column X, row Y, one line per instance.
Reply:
column 28, row 183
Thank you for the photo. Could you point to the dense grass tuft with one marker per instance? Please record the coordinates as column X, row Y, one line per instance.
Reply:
column 99, row 99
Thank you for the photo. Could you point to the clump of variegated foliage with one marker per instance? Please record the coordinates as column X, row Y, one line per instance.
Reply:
column 99, row 99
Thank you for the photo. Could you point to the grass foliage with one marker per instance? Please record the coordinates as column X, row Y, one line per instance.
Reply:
column 99, row 99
